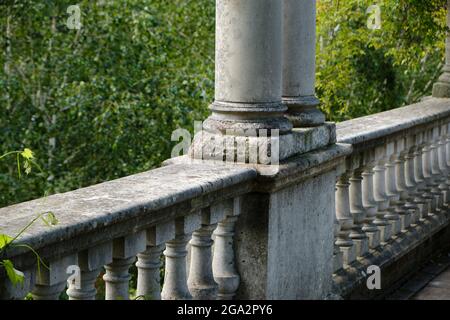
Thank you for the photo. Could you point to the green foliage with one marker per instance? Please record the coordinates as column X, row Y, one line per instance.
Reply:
column 6, row 241
column 100, row 102
column 15, row 276
column 362, row 71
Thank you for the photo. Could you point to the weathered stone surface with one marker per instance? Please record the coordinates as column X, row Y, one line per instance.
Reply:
column 137, row 198
column 363, row 130
column 396, row 258
column 299, row 63
column 289, row 229
column 248, row 147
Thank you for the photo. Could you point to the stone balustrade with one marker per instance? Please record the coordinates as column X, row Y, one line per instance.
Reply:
column 135, row 220
column 393, row 196
column 332, row 202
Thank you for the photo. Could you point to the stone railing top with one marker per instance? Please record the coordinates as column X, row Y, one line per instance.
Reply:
column 137, row 196
column 375, row 126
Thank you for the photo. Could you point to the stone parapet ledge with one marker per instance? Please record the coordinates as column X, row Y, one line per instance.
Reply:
column 393, row 166
column 107, row 211
column 287, row 172
column 372, row 130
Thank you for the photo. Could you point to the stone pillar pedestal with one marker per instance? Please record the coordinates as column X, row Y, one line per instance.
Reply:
column 287, row 224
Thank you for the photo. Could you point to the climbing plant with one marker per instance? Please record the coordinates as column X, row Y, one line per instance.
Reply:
column 24, row 158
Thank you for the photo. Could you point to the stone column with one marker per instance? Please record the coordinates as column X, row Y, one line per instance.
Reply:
column 299, row 63
column 248, row 67
column 441, row 88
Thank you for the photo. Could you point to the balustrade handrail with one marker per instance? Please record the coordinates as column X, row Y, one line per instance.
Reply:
column 360, row 131
column 393, row 195
column 119, row 207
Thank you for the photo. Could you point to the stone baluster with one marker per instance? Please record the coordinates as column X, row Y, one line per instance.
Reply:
column 396, row 208
column 448, row 146
column 148, row 266
column 442, row 165
column 370, row 206
column 436, row 173
column 91, row 262
column 175, row 276
column 428, row 159
column 357, row 234
column 201, row 282
column 411, row 184
column 51, row 281
column 10, row 291
column 117, row 275
column 381, row 198
column 420, row 178
column 411, row 209
column 224, row 269
column 338, row 261
column 344, row 216
column 447, row 157
column 149, row 261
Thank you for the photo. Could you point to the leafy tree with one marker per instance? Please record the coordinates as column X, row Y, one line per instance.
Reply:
column 100, row 102
column 363, row 71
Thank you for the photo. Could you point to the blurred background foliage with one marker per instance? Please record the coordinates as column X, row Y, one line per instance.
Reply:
column 101, row 102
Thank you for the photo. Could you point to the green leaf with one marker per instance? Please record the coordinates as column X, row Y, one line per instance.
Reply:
column 4, row 240
column 14, row 275
column 50, row 219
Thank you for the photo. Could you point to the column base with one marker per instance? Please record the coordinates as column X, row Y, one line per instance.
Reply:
column 385, row 233
column 361, row 246
column 303, row 112
column 406, row 221
column 338, row 261
column 348, row 255
column 374, row 239
column 247, row 147
column 441, row 88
